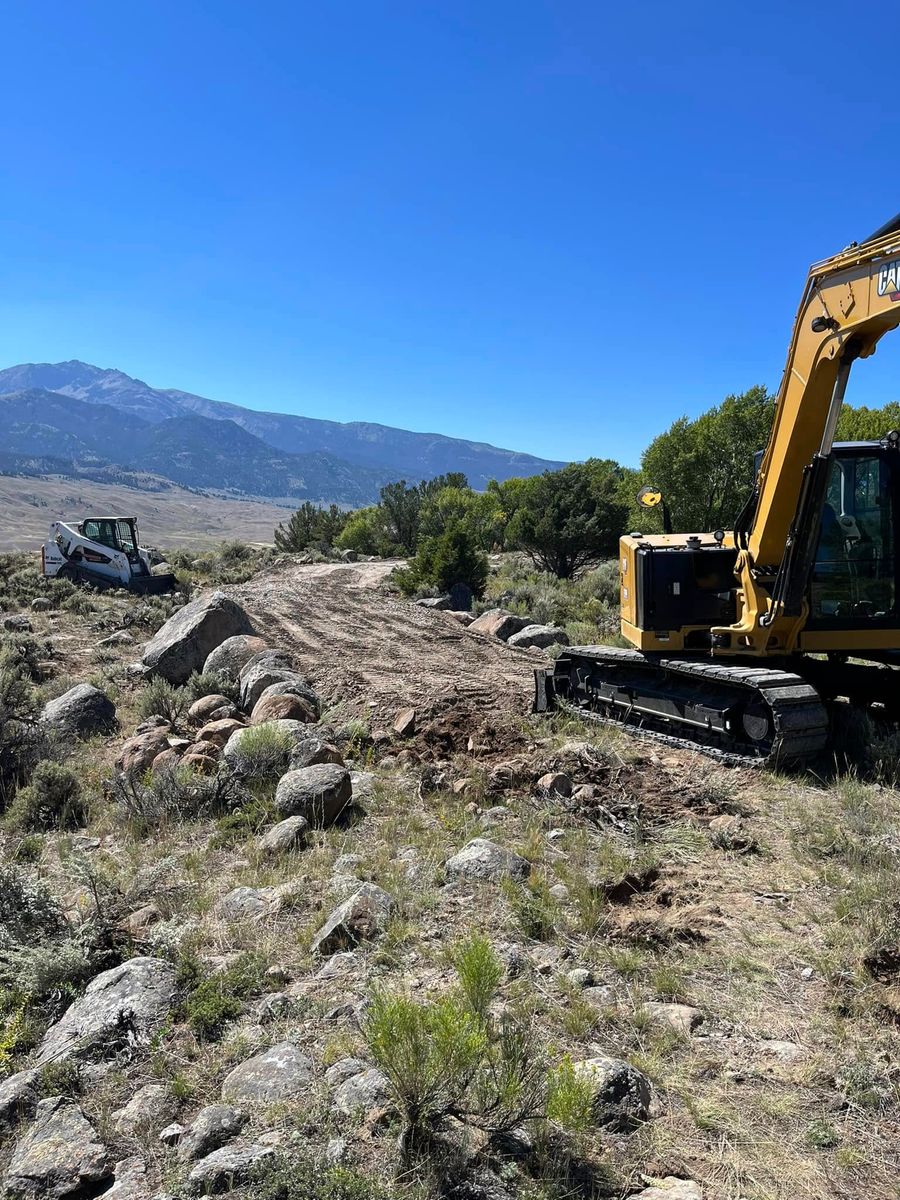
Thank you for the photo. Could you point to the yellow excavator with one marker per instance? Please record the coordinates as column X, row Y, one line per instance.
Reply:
column 742, row 637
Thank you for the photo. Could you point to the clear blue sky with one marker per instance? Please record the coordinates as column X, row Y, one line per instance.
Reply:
column 551, row 225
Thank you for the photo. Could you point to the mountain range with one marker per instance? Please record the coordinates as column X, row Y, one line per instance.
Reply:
column 89, row 422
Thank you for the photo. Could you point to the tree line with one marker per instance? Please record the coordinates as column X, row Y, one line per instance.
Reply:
column 568, row 520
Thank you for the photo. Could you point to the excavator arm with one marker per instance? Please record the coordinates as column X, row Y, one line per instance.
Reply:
column 849, row 303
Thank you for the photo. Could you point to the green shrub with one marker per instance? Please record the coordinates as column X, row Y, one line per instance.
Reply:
column 532, row 908
column 570, row 1097
column 301, row 1177
column 213, row 1001
column 24, row 655
column 28, row 912
column 209, row 683
column 479, row 971
column 263, row 752
column 175, row 794
column 445, row 560
column 52, row 800
column 161, row 699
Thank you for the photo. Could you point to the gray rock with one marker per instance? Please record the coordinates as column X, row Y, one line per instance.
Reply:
column 539, row 637
column 151, row 1107
column 273, row 1006
column 259, row 676
column 172, row 1134
column 483, row 859
column 80, row 712
column 289, row 834
column 229, row 658
column 319, row 794
column 131, row 1182
column 17, row 624
column 498, row 623
column 683, row 1018
column 362, row 916
column 362, row 1091
column 243, row 904
column 314, row 751
column 580, row 977
column 127, row 1003
column 120, row 638
column 41, row 604
column 343, row 1069
column 296, row 685
column 228, row 1168
column 670, row 1188
column 281, row 1073
column 363, row 784
column 58, row 1155
column 621, row 1092
column 18, row 1097
column 214, row 1126
column 186, row 640
column 440, row 603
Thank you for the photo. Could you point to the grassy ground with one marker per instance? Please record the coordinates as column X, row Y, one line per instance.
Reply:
column 770, row 904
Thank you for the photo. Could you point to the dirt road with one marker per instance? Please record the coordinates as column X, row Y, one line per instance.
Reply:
column 358, row 644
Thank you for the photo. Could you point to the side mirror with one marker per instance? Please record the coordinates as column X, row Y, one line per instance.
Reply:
column 651, row 497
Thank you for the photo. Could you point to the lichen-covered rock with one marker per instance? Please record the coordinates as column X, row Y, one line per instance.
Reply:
column 621, row 1092
column 19, row 1095
column 58, row 1156
column 228, row 659
column 261, row 675
column 363, row 1090
column 282, row 1072
column 483, row 859
column 289, row 834
column 244, row 904
column 81, row 712
column 186, row 640
column 360, row 917
column 219, row 731
column 683, row 1018
column 539, row 637
column 150, row 1108
column 228, row 1168
column 313, row 752
column 125, row 1004
column 318, row 793
column 213, row 1126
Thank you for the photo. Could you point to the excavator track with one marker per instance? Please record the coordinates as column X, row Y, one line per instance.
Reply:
column 739, row 714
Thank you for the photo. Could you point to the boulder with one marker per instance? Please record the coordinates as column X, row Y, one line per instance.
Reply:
column 296, row 686
column 150, row 1108
column 17, row 624
column 201, row 710
column 367, row 1089
column 539, row 637
column 229, row 658
column 139, row 752
column 243, row 904
column 282, row 1072
column 228, row 1168
column 213, row 1126
column 362, row 916
column 313, row 752
column 184, row 643
column 120, row 638
column 128, row 1002
column 131, row 1182
column 498, row 623
column 484, row 859
column 289, row 834
column 41, row 604
column 683, row 1018
column 288, row 706
column 438, row 603
column 80, row 712
column 58, row 1156
column 219, row 731
column 19, row 1096
column 262, row 675
column 319, row 793
column 167, row 760
column 555, row 783
column 621, row 1092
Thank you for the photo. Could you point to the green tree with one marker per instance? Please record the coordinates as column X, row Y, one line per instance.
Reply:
column 310, row 526
column 449, row 558
column 867, row 424
column 366, row 531
column 705, row 467
column 570, row 519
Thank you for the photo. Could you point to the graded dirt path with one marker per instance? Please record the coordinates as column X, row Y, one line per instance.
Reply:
column 358, row 643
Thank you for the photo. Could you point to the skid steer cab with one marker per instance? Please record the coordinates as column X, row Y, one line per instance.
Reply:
column 103, row 552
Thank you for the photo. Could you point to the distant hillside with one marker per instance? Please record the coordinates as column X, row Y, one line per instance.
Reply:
column 85, row 439
column 391, row 453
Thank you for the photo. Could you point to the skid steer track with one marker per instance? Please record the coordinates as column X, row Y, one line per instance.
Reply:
column 742, row 715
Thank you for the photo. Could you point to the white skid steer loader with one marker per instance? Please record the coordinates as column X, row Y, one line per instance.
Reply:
column 103, row 552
